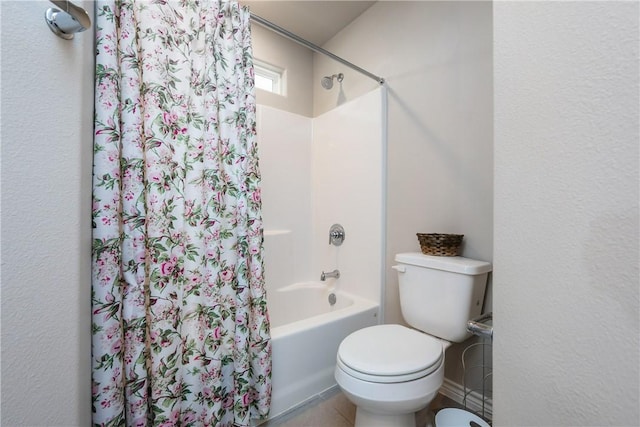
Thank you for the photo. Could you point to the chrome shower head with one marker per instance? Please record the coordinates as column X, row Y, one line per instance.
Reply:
column 327, row 82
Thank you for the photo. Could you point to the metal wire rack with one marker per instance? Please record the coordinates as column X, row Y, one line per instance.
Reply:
column 477, row 369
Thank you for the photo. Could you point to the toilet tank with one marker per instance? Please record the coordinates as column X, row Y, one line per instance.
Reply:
column 438, row 295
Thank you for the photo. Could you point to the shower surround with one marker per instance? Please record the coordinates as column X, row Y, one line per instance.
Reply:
column 317, row 172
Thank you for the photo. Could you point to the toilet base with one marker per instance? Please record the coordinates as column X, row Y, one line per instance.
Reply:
column 366, row 418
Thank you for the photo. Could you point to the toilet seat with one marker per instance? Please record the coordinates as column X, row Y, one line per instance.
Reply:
column 389, row 354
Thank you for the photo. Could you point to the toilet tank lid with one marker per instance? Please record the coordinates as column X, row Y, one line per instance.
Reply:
column 455, row 264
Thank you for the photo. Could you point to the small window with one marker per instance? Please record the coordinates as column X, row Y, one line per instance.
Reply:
column 269, row 77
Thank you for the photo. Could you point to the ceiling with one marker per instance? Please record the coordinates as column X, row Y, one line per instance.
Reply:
column 315, row 21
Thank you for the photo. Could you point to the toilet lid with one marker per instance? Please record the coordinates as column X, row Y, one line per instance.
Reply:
column 389, row 353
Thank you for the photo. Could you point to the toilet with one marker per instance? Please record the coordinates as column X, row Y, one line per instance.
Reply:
column 392, row 371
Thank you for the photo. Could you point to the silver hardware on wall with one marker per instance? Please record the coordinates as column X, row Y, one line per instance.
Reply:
column 67, row 20
column 335, row 274
column 327, row 81
column 482, row 326
column 336, row 235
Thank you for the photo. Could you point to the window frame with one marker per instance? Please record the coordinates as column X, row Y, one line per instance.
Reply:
column 274, row 74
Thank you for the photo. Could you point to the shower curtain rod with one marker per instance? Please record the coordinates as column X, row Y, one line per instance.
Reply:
column 271, row 26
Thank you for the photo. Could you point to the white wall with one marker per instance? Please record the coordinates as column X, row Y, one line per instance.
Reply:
column 285, row 145
column 437, row 60
column 296, row 60
column 566, row 277
column 46, row 131
column 317, row 172
column 347, row 187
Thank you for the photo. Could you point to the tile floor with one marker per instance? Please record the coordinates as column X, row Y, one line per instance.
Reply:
column 333, row 409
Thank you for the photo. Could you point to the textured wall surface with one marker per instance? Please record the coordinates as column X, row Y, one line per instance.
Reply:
column 566, row 349
column 46, row 128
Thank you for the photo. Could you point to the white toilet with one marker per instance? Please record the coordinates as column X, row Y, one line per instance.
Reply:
column 390, row 371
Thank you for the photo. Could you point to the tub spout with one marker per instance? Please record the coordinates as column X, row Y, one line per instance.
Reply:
column 335, row 274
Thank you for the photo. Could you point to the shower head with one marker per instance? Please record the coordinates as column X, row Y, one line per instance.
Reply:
column 327, row 82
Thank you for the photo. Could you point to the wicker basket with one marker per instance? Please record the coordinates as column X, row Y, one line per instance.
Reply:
column 440, row 244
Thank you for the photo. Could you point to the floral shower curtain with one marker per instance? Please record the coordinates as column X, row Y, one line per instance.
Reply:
column 180, row 324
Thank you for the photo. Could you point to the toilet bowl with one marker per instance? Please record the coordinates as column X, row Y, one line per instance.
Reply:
column 392, row 371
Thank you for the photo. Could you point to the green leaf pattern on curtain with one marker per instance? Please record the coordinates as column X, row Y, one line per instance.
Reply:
column 180, row 324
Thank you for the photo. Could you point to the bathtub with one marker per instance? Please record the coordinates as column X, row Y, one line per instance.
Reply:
column 306, row 332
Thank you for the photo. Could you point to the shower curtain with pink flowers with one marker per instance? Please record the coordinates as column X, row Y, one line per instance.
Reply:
column 180, row 324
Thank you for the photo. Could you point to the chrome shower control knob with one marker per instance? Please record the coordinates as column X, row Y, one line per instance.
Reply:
column 336, row 235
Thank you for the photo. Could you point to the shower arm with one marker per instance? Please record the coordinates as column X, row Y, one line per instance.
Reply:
column 67, row 20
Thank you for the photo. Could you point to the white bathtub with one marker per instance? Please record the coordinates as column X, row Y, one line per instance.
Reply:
column 306, row 331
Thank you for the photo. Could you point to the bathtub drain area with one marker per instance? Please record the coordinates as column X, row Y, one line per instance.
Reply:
column 332, row 299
